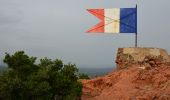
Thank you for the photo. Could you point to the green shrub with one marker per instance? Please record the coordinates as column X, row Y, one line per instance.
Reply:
column 48, row 80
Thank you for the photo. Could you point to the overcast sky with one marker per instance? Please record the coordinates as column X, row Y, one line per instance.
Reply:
column 56, row 29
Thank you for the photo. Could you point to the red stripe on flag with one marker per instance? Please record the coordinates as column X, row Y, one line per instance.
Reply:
column 99, row 13
column 99, row 28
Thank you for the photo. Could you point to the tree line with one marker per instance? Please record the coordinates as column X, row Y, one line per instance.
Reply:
column 47, row 80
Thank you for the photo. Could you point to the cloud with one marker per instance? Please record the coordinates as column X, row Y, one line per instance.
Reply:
column 9, row 13
column 56, row 28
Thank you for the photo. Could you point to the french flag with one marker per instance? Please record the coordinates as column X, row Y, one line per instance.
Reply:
column 115, row 20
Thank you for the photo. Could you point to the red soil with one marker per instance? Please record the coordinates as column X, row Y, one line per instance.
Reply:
column 132, row 83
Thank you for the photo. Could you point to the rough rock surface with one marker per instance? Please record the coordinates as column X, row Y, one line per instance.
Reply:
column 141, row 74
column 128, row 56
column 133, row 83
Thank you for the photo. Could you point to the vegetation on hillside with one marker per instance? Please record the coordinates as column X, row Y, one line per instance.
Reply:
column 48, row 80
column 83, row 76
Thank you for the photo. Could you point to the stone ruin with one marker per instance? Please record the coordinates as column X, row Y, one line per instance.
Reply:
column 145, row 57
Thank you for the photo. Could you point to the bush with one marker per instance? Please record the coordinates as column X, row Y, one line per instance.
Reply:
column 48, row 80
column 83, row 76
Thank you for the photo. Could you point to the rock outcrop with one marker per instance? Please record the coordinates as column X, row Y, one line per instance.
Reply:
column 143, row 76
column 142, row 56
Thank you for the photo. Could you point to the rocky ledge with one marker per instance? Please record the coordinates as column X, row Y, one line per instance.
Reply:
column 141, row 74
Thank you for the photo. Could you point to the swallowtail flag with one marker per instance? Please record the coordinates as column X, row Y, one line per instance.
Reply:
column 115, row 20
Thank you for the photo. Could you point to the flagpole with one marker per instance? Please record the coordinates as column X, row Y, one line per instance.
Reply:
column 136, row 34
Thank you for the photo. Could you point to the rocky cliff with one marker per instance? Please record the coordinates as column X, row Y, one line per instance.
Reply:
column 142, row 56
column 141, row 74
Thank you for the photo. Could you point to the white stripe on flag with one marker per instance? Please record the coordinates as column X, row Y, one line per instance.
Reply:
column 112, row 23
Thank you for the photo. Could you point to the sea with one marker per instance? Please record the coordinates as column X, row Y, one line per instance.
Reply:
column 95, row 72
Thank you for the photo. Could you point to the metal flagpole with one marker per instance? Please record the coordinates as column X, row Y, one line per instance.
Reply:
column 136, row 34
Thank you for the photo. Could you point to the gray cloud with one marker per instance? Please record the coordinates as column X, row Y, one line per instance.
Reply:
column 56, row 28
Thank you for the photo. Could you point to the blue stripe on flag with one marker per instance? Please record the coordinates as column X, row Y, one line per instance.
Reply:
column 128, row 20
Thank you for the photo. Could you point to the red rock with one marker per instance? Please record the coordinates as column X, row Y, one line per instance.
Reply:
column 132, row 83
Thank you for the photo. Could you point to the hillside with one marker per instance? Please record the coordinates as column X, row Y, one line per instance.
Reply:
column 133, row 83
column 147, row 77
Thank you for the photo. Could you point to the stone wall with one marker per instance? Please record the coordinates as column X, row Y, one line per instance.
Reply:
column 128, row 56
